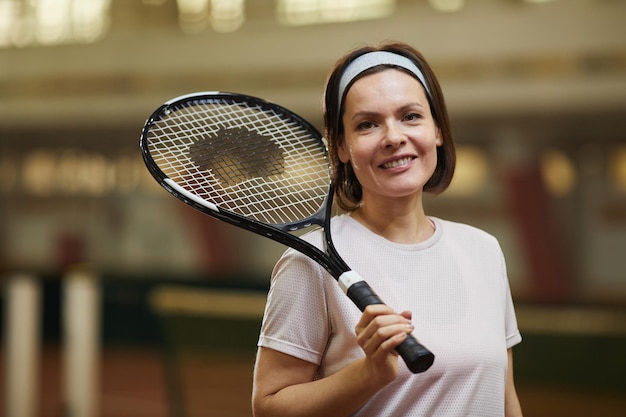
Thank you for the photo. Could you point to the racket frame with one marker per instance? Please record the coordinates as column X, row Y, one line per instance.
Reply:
column 279, row 232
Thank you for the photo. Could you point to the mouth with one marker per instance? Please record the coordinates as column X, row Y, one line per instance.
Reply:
column 397, row 162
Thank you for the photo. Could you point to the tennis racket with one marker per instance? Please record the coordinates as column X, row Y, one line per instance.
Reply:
column 258, row 166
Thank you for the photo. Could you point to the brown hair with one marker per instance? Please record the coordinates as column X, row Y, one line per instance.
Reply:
column 347, row 188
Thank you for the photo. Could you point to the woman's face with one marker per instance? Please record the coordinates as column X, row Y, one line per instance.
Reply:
column 390, row 136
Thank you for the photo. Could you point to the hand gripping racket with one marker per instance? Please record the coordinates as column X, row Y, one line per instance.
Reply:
column 260, row 167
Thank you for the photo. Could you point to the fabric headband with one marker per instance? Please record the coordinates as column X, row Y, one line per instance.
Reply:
column 372, row 59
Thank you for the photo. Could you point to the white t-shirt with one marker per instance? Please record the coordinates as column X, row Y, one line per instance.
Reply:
column 456, row 286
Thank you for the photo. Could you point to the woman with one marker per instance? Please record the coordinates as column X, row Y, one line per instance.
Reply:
column 389, row 142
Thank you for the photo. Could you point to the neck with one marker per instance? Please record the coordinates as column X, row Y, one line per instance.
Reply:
column 406, row 223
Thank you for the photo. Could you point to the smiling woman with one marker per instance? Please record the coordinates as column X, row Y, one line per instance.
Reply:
column 389, row 143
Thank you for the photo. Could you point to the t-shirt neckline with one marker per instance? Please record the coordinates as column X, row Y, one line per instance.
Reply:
column 432, row 240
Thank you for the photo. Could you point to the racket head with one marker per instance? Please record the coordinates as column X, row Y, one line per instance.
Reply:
column 239, row 156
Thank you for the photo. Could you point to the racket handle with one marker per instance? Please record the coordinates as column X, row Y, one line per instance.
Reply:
column 416, row 356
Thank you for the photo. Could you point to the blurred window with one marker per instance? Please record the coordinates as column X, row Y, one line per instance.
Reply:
column 51, row 22
column 308, row 12
column 221, row 15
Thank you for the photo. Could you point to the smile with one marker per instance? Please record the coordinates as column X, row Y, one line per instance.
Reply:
column 397, row 163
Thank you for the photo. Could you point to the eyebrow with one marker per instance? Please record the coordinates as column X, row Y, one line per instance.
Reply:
column 405, row 107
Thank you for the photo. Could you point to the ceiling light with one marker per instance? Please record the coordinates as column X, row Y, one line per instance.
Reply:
column 617, row 168
column 558, row 172
column 471, row 172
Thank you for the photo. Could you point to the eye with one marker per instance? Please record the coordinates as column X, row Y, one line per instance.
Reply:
column 411, row 117
column 365, row 125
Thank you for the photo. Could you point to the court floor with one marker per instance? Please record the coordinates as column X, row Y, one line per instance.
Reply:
column 133, row 382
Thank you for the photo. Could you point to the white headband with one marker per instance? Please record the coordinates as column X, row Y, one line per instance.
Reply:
column 372, row 59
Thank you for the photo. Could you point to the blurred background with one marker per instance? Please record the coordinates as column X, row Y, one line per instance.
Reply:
column 118, row 300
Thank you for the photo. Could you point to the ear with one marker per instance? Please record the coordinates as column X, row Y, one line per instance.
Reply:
column 342, row 151
column 439, row 138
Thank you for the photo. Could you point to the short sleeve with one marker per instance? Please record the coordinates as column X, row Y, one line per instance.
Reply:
column 513, row 335
column 296, row 320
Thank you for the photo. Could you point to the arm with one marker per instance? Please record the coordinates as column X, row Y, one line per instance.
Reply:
column 511, row 402
column 284, row 385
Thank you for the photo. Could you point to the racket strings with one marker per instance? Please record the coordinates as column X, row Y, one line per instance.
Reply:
column 251, row 160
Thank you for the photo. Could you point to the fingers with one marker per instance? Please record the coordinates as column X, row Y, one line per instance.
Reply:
column 407, row 315
column 381, row 330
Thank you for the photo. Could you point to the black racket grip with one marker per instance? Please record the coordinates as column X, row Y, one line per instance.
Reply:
column 416, row 356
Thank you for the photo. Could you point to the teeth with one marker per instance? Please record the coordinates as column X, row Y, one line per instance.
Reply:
column 397, row 162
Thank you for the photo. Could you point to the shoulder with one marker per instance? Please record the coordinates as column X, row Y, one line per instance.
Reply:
column 466, row 234
column 294, row 263
column 340, row 226
column 343, row 229
column 462, row 229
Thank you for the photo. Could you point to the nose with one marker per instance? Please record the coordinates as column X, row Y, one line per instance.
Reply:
column 394, row 136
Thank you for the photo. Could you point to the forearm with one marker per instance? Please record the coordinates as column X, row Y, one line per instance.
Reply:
column 337, row 395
